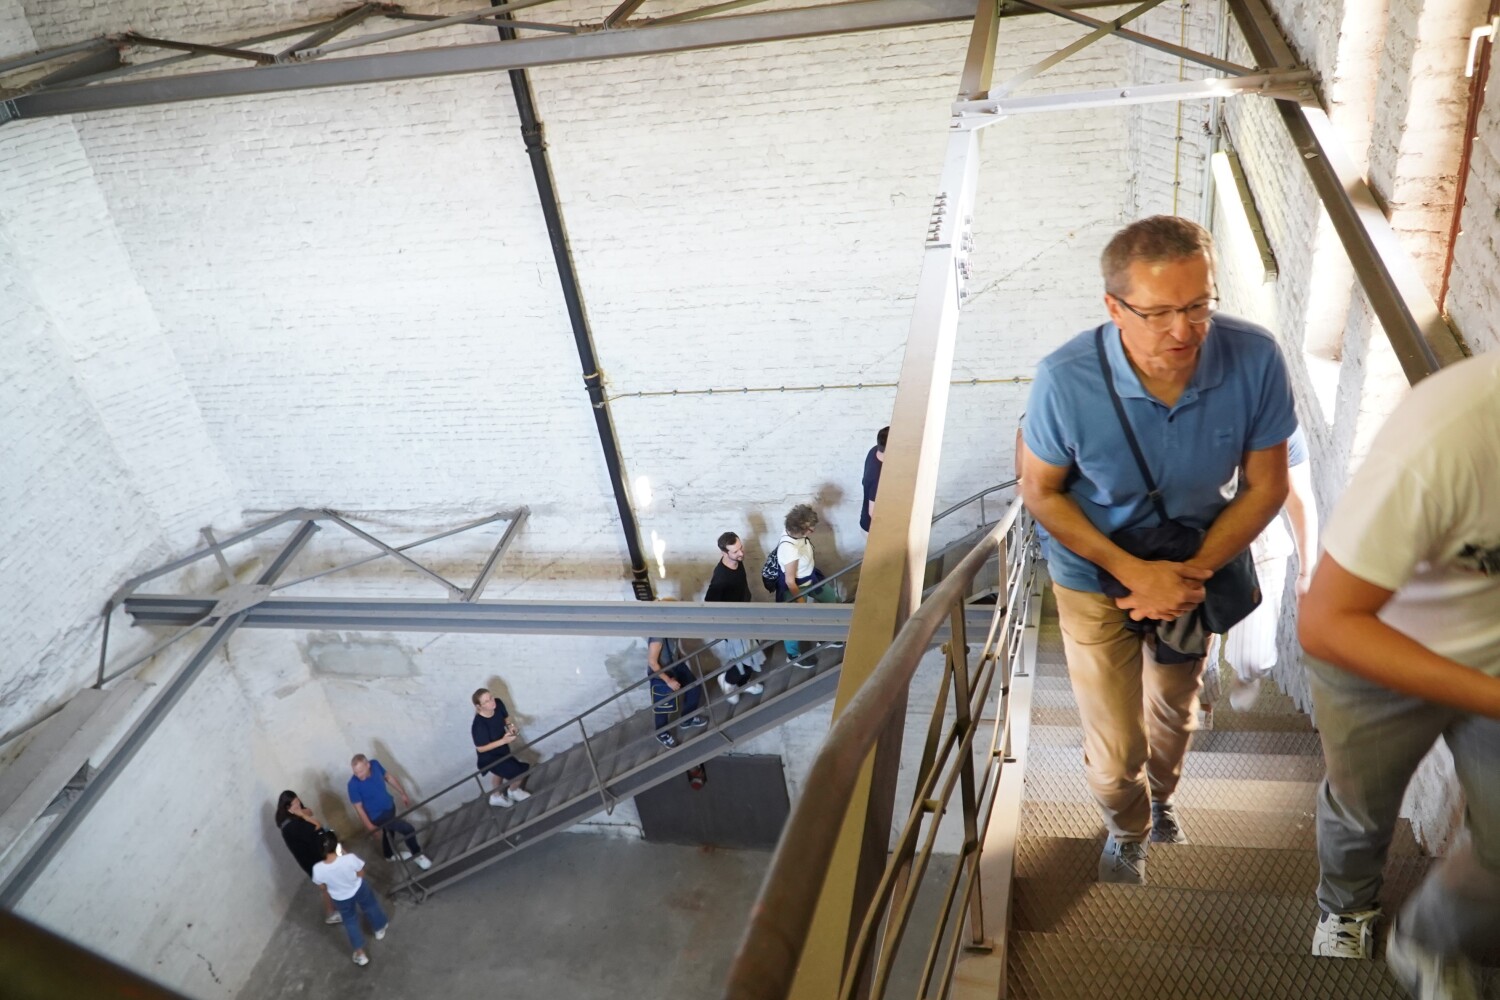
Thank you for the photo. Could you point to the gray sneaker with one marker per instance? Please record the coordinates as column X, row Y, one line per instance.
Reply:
column 1428, row 975
column 1123, row 862
column 1165, row 829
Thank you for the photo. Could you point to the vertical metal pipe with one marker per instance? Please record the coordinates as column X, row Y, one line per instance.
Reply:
column 562, row 255
column 109, row 608
column 1477, row 87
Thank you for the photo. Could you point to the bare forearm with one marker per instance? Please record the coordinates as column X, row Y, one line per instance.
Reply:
column 1237, row 525
column 1303, row 516
column 1064, row 521
column 1367, row 647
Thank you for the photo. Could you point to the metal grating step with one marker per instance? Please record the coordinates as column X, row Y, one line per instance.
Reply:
column 1269, row 700
column 1059, row 967
column 1235, row 795
column 1190, row 918
column 1208, row 827
column 1064, row 861
column 1204, row 741
column 1067, row 715
column 1227, row 766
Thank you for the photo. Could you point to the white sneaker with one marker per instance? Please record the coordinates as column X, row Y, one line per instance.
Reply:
column 1429, row 976
column 519, row 794
column 1346, row 935
column 380, row 934
column 733, row 699
column 334, row 918
column 756, row 688
column 423, row 862
column 1243, row 694
column 404, row 855
column 1123, row 862
column 500, row 799
column 360, row 958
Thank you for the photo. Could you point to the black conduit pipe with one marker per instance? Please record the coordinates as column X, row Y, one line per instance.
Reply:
column 541, row 169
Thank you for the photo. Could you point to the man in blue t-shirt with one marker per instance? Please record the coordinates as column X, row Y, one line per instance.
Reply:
column 377, row 809
column 1209, row 404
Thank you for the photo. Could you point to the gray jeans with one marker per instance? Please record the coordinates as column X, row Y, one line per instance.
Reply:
column 1373, row 740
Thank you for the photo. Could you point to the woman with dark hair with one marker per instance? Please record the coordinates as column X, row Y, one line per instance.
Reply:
column 301, row 833
column 342, row 877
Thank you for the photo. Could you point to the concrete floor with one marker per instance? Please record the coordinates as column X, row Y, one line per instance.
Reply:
column 577, row 917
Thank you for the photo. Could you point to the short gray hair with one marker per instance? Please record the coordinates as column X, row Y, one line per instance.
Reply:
column 1152, row 240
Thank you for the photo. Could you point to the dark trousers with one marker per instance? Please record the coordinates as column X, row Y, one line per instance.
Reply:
column 505, row 766
column 665, row 701
column 391, row 829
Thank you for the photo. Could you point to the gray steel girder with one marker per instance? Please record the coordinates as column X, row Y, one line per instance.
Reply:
column 679, row 619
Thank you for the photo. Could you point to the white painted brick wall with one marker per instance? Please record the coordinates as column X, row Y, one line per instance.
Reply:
column 1475, row 282
column 108, row 466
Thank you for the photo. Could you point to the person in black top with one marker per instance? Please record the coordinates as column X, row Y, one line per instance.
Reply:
column 874, row 465
column 303, row 837
column 493, row 732
column 729, row 583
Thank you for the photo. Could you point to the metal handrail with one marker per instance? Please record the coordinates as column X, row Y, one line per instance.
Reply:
column 701, row 682
column 976, row 498
column 766, row 962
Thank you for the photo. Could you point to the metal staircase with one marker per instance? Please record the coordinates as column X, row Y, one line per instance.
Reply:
column 620, row 756
column 1229, row 915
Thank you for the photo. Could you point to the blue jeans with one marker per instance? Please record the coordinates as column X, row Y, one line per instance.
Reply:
column 664, row 701
column 363, row 899
column 391, row 829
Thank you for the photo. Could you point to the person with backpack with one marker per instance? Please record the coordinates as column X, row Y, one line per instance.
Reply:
column 797, row 575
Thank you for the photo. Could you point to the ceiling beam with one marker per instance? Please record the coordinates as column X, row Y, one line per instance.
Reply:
column 490, row 57
column 684, row 619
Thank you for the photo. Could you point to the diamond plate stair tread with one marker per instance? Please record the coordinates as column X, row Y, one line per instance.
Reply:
column 1269, row 700
column 1210, row 827
column 1043, row 715
column 1192, row 918
column 1072, row 861
column 1233, row 766
column 1204, row 741
column 1054, row 967
column 1235, row 795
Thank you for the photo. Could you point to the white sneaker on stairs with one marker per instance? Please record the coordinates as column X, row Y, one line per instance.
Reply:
column 1346, row 935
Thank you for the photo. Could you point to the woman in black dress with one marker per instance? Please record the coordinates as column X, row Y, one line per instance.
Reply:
column 303, row 838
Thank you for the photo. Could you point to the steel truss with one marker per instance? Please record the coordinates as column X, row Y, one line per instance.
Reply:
column 94, row 82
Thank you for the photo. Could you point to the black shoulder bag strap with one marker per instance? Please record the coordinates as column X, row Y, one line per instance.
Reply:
column 1152, row 492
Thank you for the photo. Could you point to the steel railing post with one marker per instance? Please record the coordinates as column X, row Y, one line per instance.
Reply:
column 588, row 751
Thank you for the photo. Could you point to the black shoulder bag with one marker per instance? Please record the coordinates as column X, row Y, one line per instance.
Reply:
column 1232, row 592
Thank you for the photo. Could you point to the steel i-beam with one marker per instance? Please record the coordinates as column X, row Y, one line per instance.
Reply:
column 1422, row 339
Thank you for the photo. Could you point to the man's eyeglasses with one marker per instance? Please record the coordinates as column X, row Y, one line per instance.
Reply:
column 1161, row 320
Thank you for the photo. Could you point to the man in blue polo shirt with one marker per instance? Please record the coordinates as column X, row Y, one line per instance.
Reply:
column 1208, row 401
column 377, row 809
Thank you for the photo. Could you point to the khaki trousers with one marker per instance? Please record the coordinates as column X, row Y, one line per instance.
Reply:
column 1138, row 715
